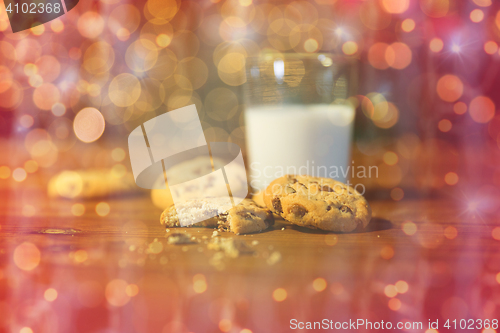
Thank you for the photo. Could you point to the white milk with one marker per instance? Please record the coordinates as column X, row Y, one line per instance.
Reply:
column 302, row 139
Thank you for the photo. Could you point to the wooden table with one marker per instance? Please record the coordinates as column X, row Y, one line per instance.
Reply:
column 118, row 273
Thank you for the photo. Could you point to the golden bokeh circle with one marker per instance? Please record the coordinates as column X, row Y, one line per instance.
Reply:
column 124, row 17
column 88, row 125
column 449, row 88
column 98, row 58
column 124, row 90
column 90, row 24
column 27, row 256
column 28, row 51
column 46, row 95
column 231, row 69
column 141, row 55
column 162, row 9
column 435, row 8
column 48, row 67
column 165, row 65
column 194, row 69
column 373, row 16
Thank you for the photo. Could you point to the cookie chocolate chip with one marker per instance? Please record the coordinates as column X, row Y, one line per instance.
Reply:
column 318, row 203
column 244, row 218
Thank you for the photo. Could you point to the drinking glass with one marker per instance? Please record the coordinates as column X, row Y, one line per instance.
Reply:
column 298, row 118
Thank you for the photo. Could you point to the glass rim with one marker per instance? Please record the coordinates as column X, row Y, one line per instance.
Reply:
column 336, row 57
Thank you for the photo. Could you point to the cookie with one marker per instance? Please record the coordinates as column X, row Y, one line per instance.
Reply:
column 245, row 218
column 258, row 198
column 93, row 183
column 318, row 203
column 193, row 169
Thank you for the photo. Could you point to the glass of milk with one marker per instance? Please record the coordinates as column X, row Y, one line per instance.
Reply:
column 297, row 115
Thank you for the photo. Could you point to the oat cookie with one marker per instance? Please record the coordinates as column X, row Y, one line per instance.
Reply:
column 93, row 183
column 319, row 203
column 245, row 218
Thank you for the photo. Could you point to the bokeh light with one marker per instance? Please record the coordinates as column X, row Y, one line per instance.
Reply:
column 483, row 3
column 444, row 125
column 409, row 228
column 490, row 47
column 50, row 295
column 476, row 15
column 199, row 283
column 451, row 178
column 387, row 252
column 450, row 232
column 102, row 209
column 116, row 294
column 435, row 8
column 460, row 108
column 395, row 6
column 89, row 125
column 482, row 109
column 319, row 284
column 436, row 45
column 124, row 90
column 401, row 286
column 377, row 55
column 398, row 55
column 27, row 256
column 390, row 158
column 349, row 48
column 90, row 24
column 394, row 304
column 132, row 290
column 46, row 95
column 397, row 194
column 449, row 88
column 77, row 209
column 225, row 325
column 279, row 294
column 4, row 172
column 19, row 174
column 408, row 25
column 390, row 290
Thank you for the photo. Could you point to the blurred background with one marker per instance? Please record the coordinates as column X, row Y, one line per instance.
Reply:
column 73, row 89
column 426, row 98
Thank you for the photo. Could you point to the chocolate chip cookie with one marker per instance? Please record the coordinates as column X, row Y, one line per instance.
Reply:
column 244, row 218
column 318, row 203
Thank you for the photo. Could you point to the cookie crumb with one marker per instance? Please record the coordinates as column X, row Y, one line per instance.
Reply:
column 168, row 230
column 179, row 239
column 283, row 228
column 255, row 242
column 215, row 234
column 231, row 247
column 274, row 258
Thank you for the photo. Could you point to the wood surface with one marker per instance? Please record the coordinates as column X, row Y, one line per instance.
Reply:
column 447, row 278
